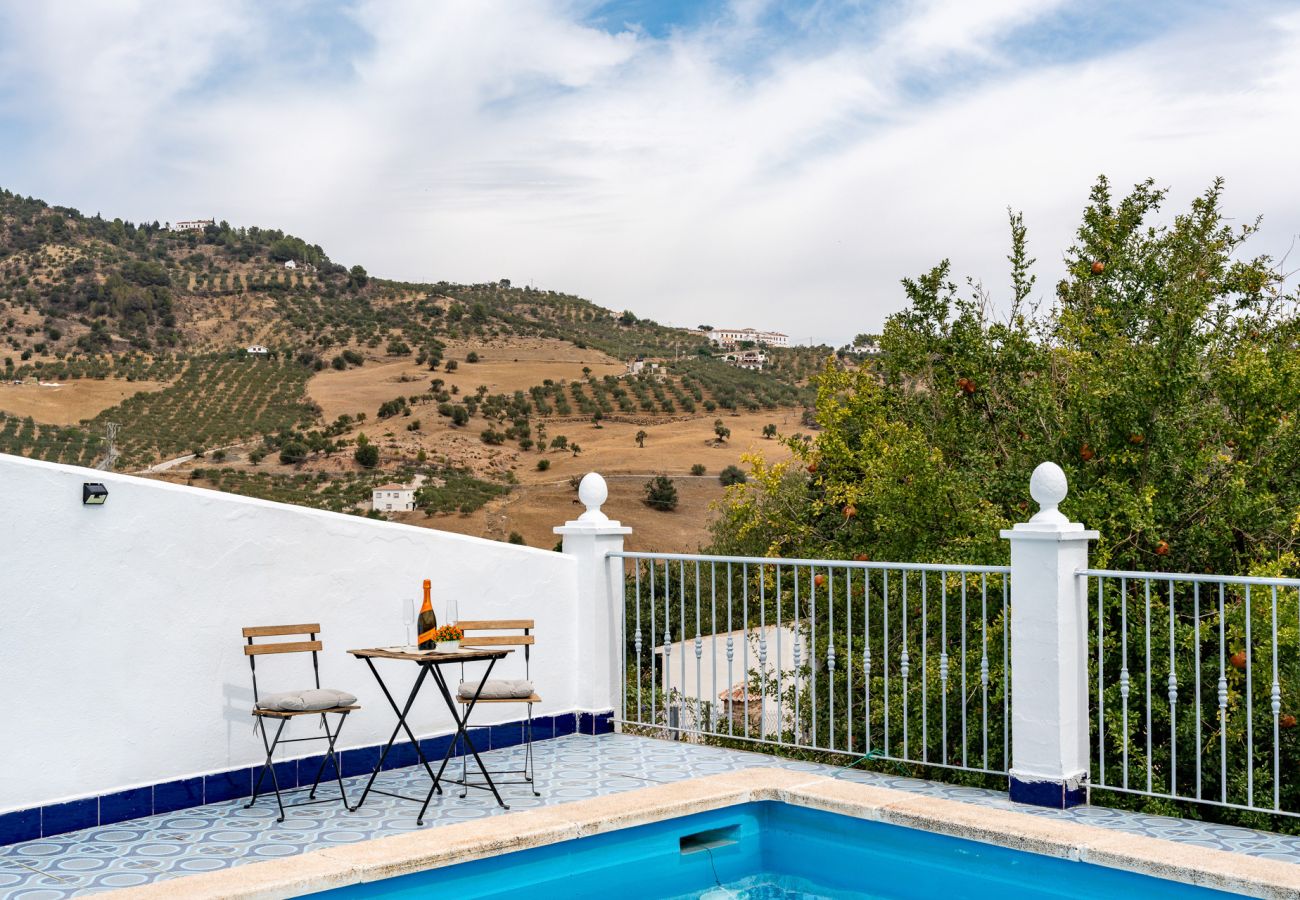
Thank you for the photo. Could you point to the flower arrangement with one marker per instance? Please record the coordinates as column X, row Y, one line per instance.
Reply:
column 447, row 634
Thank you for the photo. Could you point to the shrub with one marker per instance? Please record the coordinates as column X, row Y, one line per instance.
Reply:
column 516, row 538
column 543, row 465
column 452, row 366
column 661, row 493
column 293, row 453
column 367, row 455
column 698, row 469
column 459, row 416
column 472, row 357
column 732, row 475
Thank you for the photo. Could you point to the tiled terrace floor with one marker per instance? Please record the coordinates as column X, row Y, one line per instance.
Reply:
column 569, row 768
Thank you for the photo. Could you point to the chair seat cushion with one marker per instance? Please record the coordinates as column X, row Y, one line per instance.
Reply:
column 497, row 689
column 312, row 698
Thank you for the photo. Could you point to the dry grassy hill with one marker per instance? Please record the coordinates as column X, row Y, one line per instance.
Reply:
column 461, row 389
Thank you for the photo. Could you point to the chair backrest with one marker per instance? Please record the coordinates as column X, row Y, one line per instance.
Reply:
column 253, row 650
column 524, row 640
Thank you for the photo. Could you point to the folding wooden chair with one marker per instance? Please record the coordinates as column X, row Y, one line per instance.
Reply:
column 313, row 646
column 526, row 641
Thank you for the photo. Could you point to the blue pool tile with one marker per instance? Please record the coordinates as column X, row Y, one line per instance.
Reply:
column 22, row 825
column 72, row 816
column 125, row 805
column 173, row 795
column 604, row 723
column 543, row 727
column 286, row 774
column 360, row 760
column 227, row 785
column 507, row 735
column 586, row 723
column 401, row 756
column 481, row 738
column 435, row 748
column 564, row 724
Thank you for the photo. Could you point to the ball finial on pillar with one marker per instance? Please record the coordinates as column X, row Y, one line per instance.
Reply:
column 593, row 492
column 1048, row 487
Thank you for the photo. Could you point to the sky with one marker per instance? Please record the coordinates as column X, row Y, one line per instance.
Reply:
column 742, row 163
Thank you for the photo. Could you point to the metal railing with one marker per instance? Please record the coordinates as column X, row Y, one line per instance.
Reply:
column 1195, row 687
column 906, row 662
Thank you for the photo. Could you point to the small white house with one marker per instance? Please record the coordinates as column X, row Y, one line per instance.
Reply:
column 257, row 350
column 290, row 264
column 393, row 498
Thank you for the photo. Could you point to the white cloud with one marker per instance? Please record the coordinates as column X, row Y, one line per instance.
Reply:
column 486, row 140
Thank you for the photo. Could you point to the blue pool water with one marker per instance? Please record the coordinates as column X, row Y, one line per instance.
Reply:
column 773, row 851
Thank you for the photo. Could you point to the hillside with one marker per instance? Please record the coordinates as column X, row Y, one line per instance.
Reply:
column 478, row 393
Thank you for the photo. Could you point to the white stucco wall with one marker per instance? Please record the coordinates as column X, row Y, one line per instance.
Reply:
column 120, row 646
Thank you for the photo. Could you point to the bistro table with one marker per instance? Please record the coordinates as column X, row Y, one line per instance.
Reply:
column 431, row 663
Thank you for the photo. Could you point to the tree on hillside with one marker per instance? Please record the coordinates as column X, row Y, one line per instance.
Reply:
column 661, row 493
column 722, row 431
column 769, row 431
column 640, row 438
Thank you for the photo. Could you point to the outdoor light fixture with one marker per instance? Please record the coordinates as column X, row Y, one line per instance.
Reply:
column 93, row 494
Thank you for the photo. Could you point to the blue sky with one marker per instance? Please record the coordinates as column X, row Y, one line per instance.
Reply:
column 771, row 164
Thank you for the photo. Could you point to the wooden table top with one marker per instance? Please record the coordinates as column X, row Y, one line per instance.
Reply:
column 436, row 657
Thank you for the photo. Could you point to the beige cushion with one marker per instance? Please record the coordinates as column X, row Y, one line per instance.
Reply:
column 498, row 689
column 313, row 698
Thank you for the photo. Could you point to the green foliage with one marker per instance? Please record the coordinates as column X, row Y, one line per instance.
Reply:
column 543, row 465
column 661, row 493
column 457, row 491
column 1164, row 380
column 732, row 475
column 366, row 455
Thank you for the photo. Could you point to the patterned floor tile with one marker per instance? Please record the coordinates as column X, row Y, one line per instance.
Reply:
column 569, row 768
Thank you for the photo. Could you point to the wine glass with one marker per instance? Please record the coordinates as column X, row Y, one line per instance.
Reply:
column 408, row 618
column 453, row 612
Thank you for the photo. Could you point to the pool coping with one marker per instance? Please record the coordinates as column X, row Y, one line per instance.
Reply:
column 431, row 848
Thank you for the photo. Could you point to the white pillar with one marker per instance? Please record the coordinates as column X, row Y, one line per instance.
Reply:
column 600, row 596
column 1049, row 665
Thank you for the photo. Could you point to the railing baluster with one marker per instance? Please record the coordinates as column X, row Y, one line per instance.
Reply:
column 762, row 652
column 1250, row 709
column 1006, row 678
column 1173, row 702
column 798, row 668
column 812, row 650
column 965, row 715
column 866, row 658
column 1223, row 705
column 984, row 661
column 1196, row 658
column 925, row 676
column 884, row 659
column 699, row 660
column 637, row 566
column 780, row 659
column 1123, row 671
column 681, row 621
column 1275, row 703
column 1147, row 634
column 848, row 654
column 744, row 640
column 830, row 656
column 904, row 662
column 1101, row 682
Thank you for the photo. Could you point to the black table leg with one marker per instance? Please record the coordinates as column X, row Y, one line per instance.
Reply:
column 401, row 726
column 461, row 732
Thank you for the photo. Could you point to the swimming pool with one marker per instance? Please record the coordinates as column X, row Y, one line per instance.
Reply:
column 768, row 850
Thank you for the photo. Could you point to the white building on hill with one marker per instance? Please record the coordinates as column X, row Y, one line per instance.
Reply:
column 257, row 350
column 731, row 337
column 193, row 225
column 290, row 264
column 393, row 498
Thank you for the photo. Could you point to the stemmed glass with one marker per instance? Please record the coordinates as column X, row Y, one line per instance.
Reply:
column 408, row 618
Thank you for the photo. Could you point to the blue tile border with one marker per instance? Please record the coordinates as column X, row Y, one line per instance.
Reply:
column 21, row 825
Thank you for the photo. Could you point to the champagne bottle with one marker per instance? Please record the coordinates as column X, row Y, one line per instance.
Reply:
column 428, row 622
